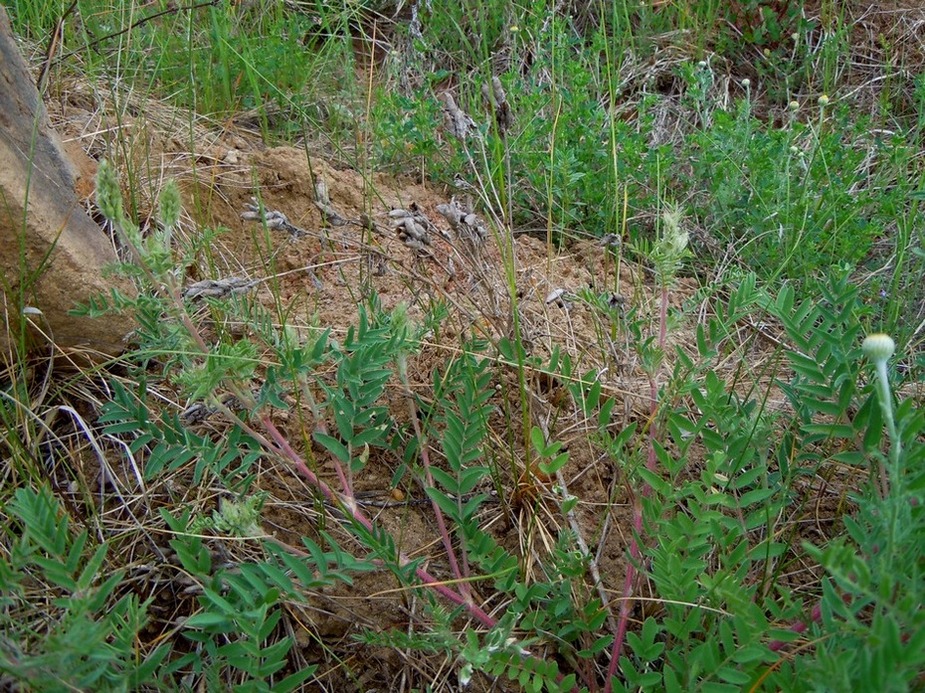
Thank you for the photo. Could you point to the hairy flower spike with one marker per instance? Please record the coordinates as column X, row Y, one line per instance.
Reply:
column 671, row 247
column 675, row 236
column 169, row 205
column 400, row 320
column 108, row 194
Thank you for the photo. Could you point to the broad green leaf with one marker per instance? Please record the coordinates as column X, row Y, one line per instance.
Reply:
column 334, row 446
column 207, row 619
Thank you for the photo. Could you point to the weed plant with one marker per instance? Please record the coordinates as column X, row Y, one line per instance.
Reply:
column 712, row 537
column 722, row 481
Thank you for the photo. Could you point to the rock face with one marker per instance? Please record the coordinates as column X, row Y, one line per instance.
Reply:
column 51, row 252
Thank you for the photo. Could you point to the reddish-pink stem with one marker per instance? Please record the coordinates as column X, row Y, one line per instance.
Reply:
column 428, row 477
column 344, row 479
column 283, row 447
column 626, row 605
column 441, row 523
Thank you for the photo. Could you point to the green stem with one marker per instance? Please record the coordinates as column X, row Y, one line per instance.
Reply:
column 886, row 404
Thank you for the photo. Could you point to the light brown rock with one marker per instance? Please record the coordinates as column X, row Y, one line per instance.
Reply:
column 51, row 252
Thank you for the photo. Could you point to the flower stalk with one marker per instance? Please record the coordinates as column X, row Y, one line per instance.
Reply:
column 667, row 255
column 879, row 348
